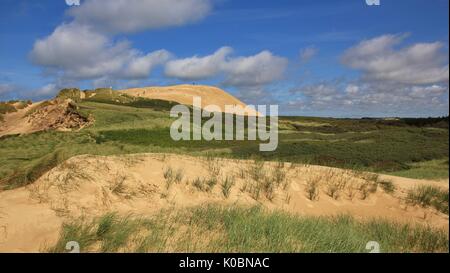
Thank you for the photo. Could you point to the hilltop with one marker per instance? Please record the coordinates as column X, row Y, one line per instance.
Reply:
column 184, row 94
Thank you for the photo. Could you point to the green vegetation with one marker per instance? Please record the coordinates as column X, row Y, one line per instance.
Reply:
column 172, row 176
column 6, row 107
column 70, row 93
column 34, row 170
column 433, row 169
column 238, row 229
column 125, row 125
column 387, row 186
column 227, row 185
column 427, row 196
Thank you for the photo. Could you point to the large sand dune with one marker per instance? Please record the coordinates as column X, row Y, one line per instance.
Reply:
column 184, row 94
column 31, row 217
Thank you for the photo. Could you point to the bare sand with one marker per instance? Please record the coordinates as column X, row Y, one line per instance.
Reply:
column 184, row 94
column 54, row 114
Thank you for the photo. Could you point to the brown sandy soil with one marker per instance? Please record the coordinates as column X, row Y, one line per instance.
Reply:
column 31, row 217
column 13, row 123
column 53, row 114
column 184, row 93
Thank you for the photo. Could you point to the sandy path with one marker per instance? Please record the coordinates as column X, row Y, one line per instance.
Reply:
column 30, row 217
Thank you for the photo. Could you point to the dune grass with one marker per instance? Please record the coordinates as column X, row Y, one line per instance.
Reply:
column 240, row 229
column 429, row 196
column 6, row 107
column 33, row 171
column 432, row 169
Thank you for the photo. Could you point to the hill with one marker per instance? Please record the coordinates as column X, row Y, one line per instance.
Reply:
column 184, row 94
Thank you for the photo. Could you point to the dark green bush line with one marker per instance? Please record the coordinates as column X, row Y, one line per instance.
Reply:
column 366, row 124
column 393, row 153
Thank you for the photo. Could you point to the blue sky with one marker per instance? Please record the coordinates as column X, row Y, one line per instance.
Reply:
column 320, row 58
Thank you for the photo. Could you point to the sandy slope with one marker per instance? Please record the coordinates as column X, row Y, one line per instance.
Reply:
column 184, row 93
column 15, row 122
column 30, row 218
column 54, row 114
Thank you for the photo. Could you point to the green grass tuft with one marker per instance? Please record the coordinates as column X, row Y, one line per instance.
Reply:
column 429, row 196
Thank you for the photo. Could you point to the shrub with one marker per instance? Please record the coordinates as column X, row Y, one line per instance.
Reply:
column 205, row 185
column 312, row 188
column 269, row 187
column 427, row 196
column 387, row 185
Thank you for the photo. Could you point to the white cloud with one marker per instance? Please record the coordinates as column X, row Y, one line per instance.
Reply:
column 307, row 54
column 428, row 91
column 125, row 16
column 352, row 89
column 49, row 89
column 256, row 70
column 141, row 66
column 372, row 97
column 260, row 69
column 196, row 68
column 421, row 63
column 77, row 52
column 69, row 45
column 85, row 49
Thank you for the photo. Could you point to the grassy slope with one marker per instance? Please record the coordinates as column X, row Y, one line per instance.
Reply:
column 120, row 129
column 233, row 229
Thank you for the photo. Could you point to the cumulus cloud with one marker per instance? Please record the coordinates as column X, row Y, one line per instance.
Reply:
column 141, row 66
column 256, row 70
column 197, row 68
column 78, row 52
column 13, row 91
column 49, row 89
column 379, row 59
column 257, row 95
column 381, row 98
column 352, row 89
column 84, row 48
column 125, row 16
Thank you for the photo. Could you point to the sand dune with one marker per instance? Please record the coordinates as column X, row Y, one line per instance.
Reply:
column 31, row 217
column 184, row 93
column 40, row 116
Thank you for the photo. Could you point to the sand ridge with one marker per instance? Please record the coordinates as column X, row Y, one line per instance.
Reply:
column 89, row 186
